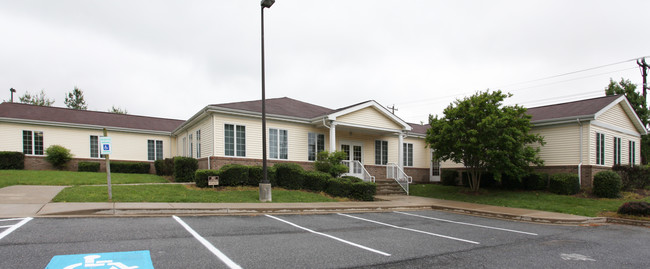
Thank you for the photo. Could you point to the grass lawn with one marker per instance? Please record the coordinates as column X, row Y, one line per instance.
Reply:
column 184, row 194
column 33, row 177
column 538, row 200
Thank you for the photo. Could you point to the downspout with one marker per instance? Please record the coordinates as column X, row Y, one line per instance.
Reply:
column 580, row 164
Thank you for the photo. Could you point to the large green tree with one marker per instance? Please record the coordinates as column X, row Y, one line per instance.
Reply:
column 484, row 135
column 75, row 100
column 39, row 100
column 627, row 88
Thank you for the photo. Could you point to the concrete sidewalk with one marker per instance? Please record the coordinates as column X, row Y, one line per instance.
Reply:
column 35, row 201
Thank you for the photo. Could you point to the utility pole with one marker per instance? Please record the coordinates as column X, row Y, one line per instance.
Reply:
column 644, row 72
column 393, row 109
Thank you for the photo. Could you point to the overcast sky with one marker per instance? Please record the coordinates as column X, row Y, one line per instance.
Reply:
column 171, row 58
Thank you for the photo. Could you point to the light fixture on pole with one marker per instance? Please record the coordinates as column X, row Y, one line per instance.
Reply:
column 265, row 185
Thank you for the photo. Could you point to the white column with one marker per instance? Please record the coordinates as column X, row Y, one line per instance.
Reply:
column 333, row 137
column 400, row 150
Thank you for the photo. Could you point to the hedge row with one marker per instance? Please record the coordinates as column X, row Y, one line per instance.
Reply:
column 130, row 168
column 88, row 167
column 12, row 160
column 531, row 181
column 633, row 177
column 607, row 184
column 290, row 176
column 565, row 183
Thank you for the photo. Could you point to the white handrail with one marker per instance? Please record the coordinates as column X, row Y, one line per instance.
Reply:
column 357, row 164
column 395, row 172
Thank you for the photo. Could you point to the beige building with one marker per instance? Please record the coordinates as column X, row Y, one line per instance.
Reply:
column 581, row 137
column 586, row 136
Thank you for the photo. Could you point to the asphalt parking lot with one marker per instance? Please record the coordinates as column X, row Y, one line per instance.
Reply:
column 421, row 239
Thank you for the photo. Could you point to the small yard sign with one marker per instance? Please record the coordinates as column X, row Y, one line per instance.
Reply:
column 105, row 145
column 213, row 180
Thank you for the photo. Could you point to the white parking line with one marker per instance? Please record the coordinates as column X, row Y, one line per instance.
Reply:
column 330, row 236
column 14, row 227
column 208, row 245
column 409, row 229
column 464, row 223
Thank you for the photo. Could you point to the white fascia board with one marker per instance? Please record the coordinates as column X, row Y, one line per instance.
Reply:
column 196, row 117
column 371, row 103
column 615, row 128
column 629, row 110
column 359, row 126
column 244, row 113
column 84, row 126
column 562, row 120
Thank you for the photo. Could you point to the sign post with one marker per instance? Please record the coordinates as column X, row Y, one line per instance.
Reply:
column 106, row 149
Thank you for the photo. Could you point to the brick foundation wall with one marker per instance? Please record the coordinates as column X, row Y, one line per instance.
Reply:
column 40, row 163
column 419, row 175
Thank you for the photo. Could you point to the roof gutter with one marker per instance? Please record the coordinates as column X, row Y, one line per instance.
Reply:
column 580, row 164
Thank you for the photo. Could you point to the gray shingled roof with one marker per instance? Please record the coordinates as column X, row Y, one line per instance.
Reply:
column 86, row 117
column 585, row 107
column 280, row 106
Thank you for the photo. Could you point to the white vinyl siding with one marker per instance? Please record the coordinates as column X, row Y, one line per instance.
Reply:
column 369, row 116
column 616, row 116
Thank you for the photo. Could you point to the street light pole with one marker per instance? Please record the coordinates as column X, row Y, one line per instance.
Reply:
column 265, row 185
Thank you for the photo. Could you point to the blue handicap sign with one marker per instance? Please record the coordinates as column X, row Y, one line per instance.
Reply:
column 107, row 147
column 111, row 260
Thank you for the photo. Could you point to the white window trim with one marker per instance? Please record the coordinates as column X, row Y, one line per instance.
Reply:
column 33, row 142
column 278, row 144
column 316, row 144
column 155, row 150
column 235, row 140
column 381, row 155
column 407, row 152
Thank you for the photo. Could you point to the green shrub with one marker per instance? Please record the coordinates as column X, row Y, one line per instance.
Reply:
column 633, row 177
column 510, row 182
column 635, row 208
column 255, row 175
column 164, row 167
column 12, row 160
column 567, row 184
column 535, row 181
column 58, row 156
column 364, row 191
column 487, row 180
column 316, row 180
column 234, row 175
column 130, row 168
column 289, row 175
column 449, row 177
column 88, row 167
column 339, row 187
column 331, row 163
column 184, row 169
column 201, row 177
column 607, row 184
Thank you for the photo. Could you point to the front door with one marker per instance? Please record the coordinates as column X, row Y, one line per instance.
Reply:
column 355, row 158
column 434, row 173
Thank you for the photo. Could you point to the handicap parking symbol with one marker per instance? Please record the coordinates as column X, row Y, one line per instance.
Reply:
column 107, row 147
column 112, row 260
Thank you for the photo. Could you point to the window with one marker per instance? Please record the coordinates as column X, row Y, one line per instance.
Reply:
column 184, row 146
column 191, row 146
column 600, row 149
column 278, row 144
column 617, row 150
column 408, row 154
column 381, row 152
column 632, row 152
column 198, row 143
column 154, row 150
column 94, row 147
column 32, row 143
column 235, row 140
column 316, row 144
